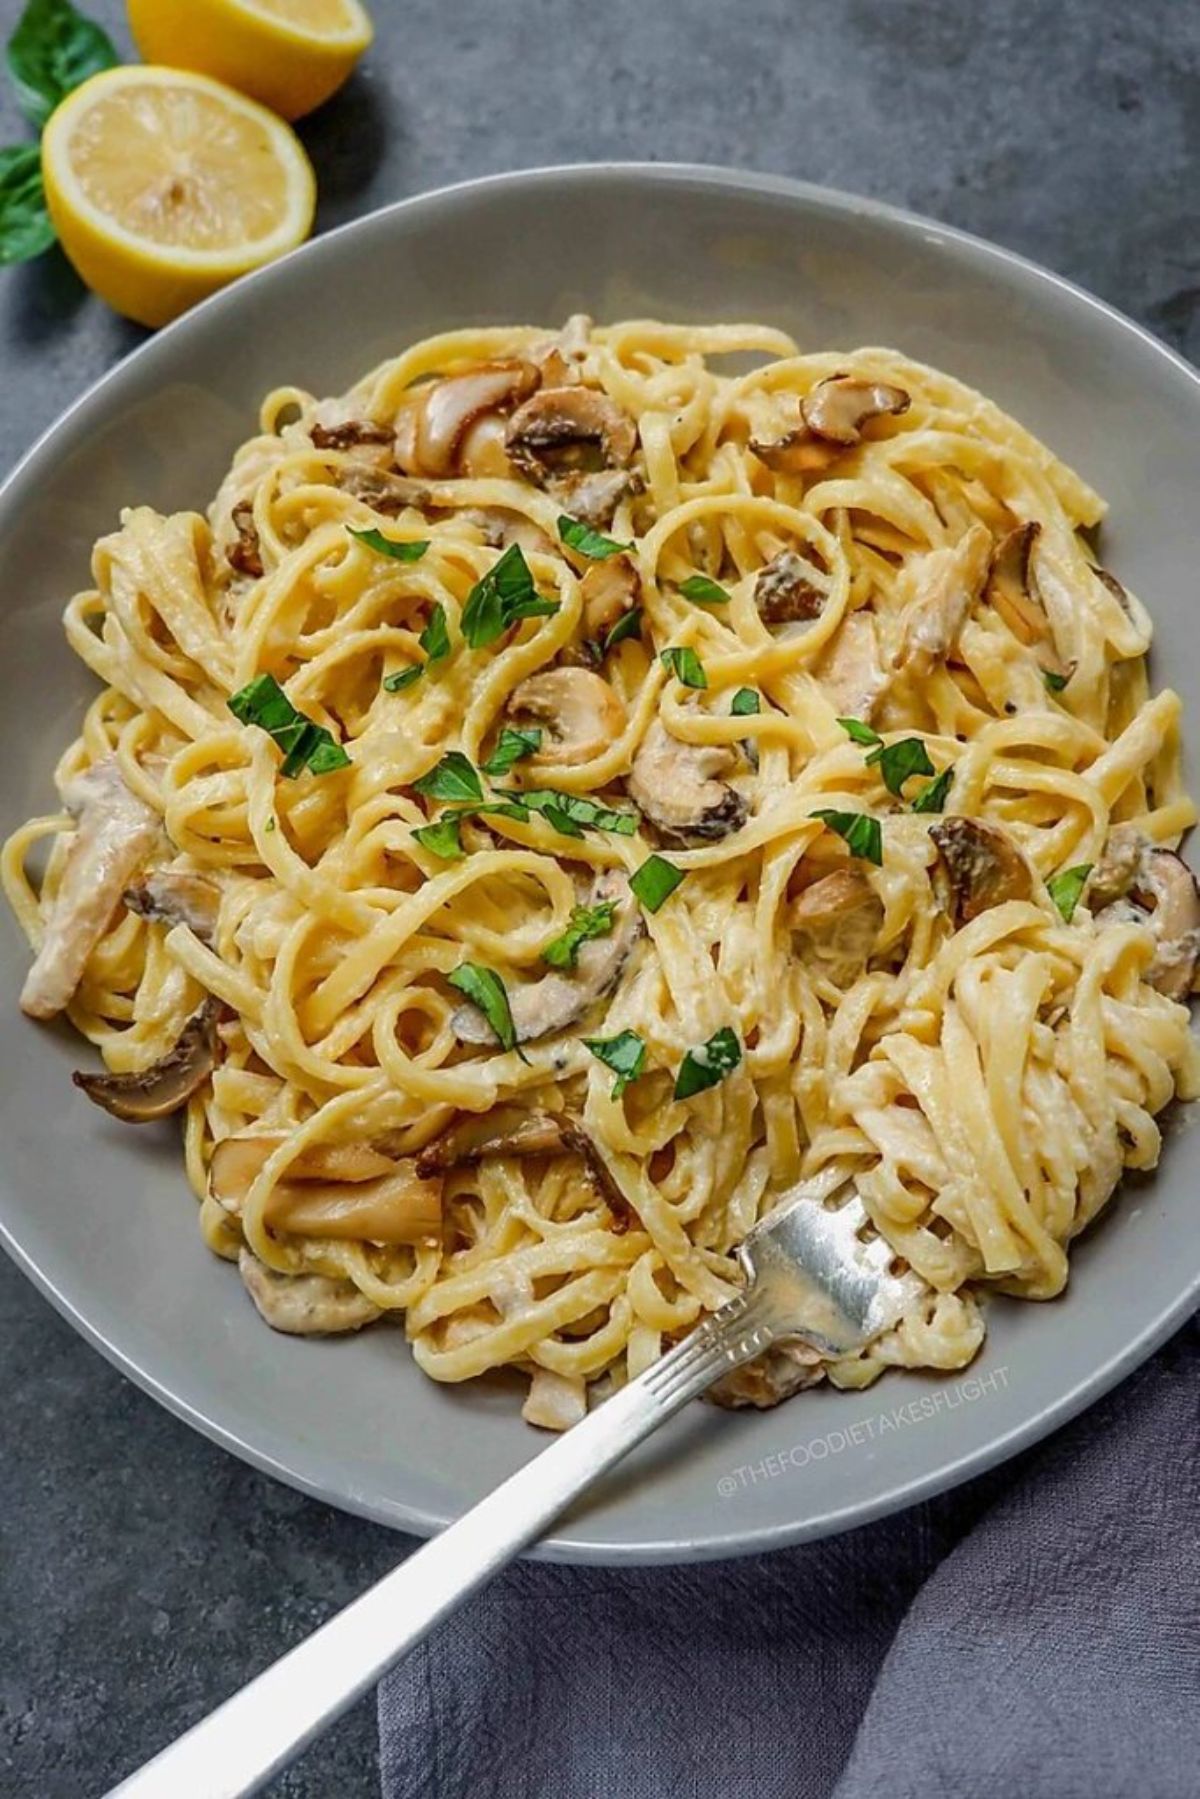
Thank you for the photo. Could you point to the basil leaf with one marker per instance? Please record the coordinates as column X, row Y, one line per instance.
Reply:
column 745, row 703
column 1066, row 889
column 513, row 747
column 504, row 595
column 453, row 779
column 585, row 923
column 435, row 638
column 25, row 224
column 685, row 665
column 1054, row 682
column 655, row 881
column 581, row 538
column 484, row 988
column 412, row 551
column 625, row 1054
column 444, row 839
column 403, row 677
column 305, row 744
column 628, row 625
column 898, row 761
column 855, row 728
column 863, row 834
column 576, row 808
column 561, row 821
column 52, row 50
column 708, row 1066
column 932, row 797
column 703, row 592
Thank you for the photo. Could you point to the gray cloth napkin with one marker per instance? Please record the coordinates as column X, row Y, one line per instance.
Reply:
column 1035, row 1635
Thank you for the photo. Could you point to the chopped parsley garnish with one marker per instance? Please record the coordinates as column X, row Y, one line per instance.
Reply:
column 512, row 747
column 484, row 988
column 592, row 544
column 453, row 779
column 573, row 813
column 860, row 733
column 862, row 833
column 305, row 745
column 708, row 1066
column 1054, row 682
column 703, row 592
column 932, row 797
column 443, row 839
column 504, row 595
column 682, row 661
column 898, row 762
column 435, row 641
column 1066, row 889
column 585, row 923
column 655, row 881
column 628, row 625
column 625, row 1054
column 746, row 702
column 412, row 551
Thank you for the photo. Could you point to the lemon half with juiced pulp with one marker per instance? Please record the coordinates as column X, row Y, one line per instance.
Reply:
column 164, row 185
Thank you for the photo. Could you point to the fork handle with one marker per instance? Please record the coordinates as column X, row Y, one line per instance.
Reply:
column 263, row 1727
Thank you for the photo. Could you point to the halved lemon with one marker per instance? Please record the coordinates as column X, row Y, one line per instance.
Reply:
column 163, row 186
column 290, row 54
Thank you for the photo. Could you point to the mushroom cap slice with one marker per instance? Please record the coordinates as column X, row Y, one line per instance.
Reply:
column 434, row 422
column 345, row 1191
column 851, row 672
column 945, row 585
column 304, row 1305
column 583, row 714
column 676, row 786
column 840, row 914
column 169, row 1083
column 504, row 1131
column 334, row 433
column 609, row 589
column 593, row 497
column 554, row 430
column 386, row 493
column 838, row 407
column 174, row 896
column 543, row 1007
column 1011, row 590
column 1147, row 884
column 785, row 591
column 980, row 866
column 244, row 554
column 797, row 452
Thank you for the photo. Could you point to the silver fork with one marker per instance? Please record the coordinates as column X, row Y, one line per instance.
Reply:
column 813, row 1272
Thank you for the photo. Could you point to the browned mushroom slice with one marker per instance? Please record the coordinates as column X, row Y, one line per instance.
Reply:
column 980, row 866
column 568, row 429
column 304, row 1305
column 947, row 584
column 174, row 896
column 785, row 1369
column 1011, row 590
column 245, row 552
column 386, row 493
column 1160, row 892
column 169, row 1083
column 785, row 590
column 344, row 1191
column 840, row 915
column 797, row 452
column 677, row 786
column 582, row 714
column 511, row 1131
column 593, row 498
column 1119, row 865
column 608, row 590
column 838, row 407
column 432, row 427
column 542, row 1007
column 851, row 672
column 115, row 835
column 349, row 434
column 1119, row 594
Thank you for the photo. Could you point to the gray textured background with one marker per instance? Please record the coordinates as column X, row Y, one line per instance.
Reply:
column 143, row 1573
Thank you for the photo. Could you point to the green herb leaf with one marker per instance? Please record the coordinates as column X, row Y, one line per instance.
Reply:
column 454, row 778
column 504, row 595
column 625, row 1054
column 855, row 728
column 703, row 592
column 484, row 988
column 435, row 638
column 708, row 1066
column 576, row 809
column 263, row 702
column 683, row 662
column 628, row 625
column 862, row 833
column 746, row 703
column 444, row 839
column 581, row 538
column 272, row 824
column 585, row 923
column 513, row 747
column 932, row 797
column 655, row 881
column 51, row 51
column 403, row 677
column 899, row 761
column 1067, row 888
column 412, row 551
column 1054, row 682
column 25, row 225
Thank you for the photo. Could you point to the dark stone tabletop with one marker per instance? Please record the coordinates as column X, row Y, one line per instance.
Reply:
column 144, row 1573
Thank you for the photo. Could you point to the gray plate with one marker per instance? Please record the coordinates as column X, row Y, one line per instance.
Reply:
column 98, row 1214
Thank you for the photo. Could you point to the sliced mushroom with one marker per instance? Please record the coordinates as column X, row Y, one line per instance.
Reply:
column 1011, row 590
column 797, row 452
column 583, row 715
column 1119, row 865
column 1160, row 892
column 608, row 590
column 174, row 896
column 838, row 407
column 511, row 1131
column 840, row 915
column 677, row 786
column 343, row 1190
column 169, row 1083
column 560, row 428
column 349, row 434
column 770, row 1378
column 550, row 1004
column 947, row 583
column 116, row 833
column 385, row 493
column 593, row 498
column 559, row 358
column 245, row 553
column 980, row 866
column 785, row 590
column 304, row 1305
column 851, row 672
column 432, row 426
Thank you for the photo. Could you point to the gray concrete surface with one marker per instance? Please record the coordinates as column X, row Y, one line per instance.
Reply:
column 143, row 1573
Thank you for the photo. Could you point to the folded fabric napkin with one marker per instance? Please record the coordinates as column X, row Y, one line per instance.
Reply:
column 1034, row 1635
